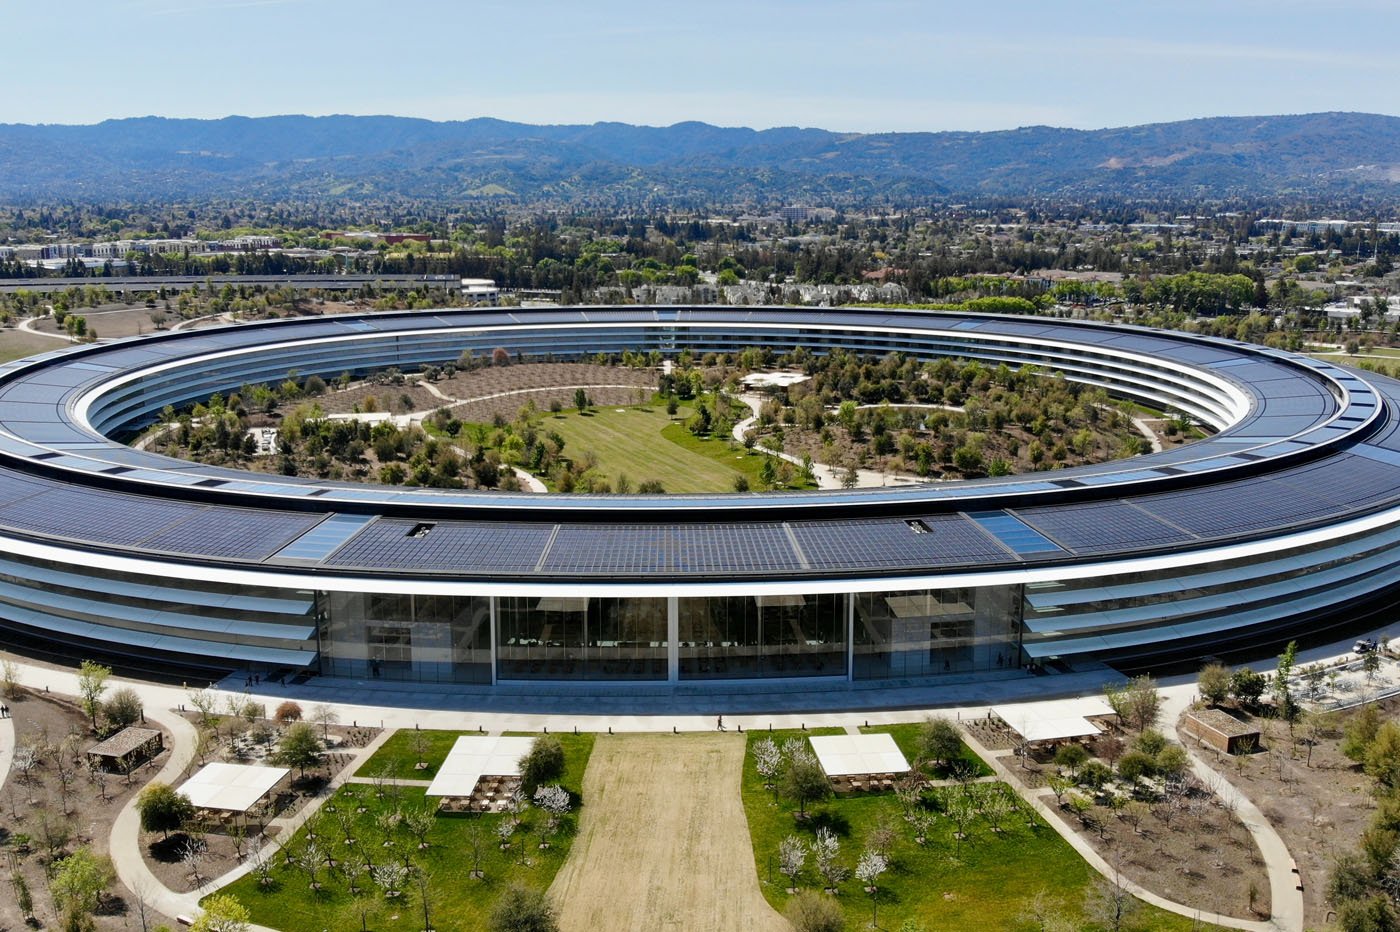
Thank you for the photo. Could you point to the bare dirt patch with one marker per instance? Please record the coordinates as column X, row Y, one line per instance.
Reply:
column 38, row 826
column 663, row 843
column 1319, row 807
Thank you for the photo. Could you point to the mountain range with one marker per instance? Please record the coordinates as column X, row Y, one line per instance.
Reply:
column 367, row 157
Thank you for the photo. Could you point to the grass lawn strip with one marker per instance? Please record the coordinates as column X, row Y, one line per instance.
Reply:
column 458, row 902
column 632, row 442
column 984, row 882
column 397, row 758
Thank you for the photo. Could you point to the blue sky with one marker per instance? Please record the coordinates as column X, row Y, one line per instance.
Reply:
column 857, row 66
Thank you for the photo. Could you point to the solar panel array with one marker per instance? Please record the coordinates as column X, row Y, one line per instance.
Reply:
column 1287, row 402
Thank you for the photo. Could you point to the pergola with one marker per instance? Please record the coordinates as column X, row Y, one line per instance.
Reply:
column 859, row 755
column 1054, row 719
column 472, row 758
column 232, row 787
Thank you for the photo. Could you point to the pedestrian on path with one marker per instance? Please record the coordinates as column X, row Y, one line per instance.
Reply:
column 719, row 723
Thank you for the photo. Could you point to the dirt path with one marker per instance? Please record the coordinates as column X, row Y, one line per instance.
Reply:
column 663, row 843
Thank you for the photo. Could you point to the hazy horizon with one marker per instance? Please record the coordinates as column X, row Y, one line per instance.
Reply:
column 885, row 66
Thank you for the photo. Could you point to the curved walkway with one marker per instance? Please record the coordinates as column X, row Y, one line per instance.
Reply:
column 1036, row 799
column 27, row 325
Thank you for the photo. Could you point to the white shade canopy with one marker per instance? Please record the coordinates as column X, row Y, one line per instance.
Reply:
column 1054, row 719
column 855, row 755
column 474, row 757
column 231, row 787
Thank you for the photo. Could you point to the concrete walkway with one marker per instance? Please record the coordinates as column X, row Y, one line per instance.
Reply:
column 7, row 747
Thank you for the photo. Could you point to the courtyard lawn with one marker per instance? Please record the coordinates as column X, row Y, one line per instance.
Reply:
column 984, row 882
column 906, row 738
column 630, row 442
column 16, row 344
column 458, row 902
column 398, row 757
column 731, row 453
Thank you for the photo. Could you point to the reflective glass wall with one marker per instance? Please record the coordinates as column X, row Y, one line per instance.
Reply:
column 743, row 636
column 928, row 632
column 429, row 638
column 555, row 638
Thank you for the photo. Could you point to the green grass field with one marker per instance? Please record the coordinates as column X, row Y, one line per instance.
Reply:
column 458, row 902
column 983, row 883
column 644, row 443
column 16, row 344
column 906, row 738
column 399, row 756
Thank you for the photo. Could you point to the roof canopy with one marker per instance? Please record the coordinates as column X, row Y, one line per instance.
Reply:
column 855, row 755
column 1054, row 719
column 472, row 758
column 231, row 787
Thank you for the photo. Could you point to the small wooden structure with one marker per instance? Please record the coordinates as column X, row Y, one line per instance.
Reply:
column 1220, row 730
column 127, row 748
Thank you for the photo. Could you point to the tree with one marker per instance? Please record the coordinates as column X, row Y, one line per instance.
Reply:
column 826, row 847
column 868, row 870
column 523, row 909
column 1372, row 914
column 792, row 856
column 1282, row 683
column 162, row 809
column 542, row 763
column 1109, row 904
column 580, row 400
column 809, row 911
column 79, row 883
column 805, row 781
column 299, row 748
column 1359, row 731
column 24, row 899
column 1382, row 762
column 1071, row 757
column 1137, row 702
column 325, row 716
column 9, row 679
column 1214, row 683
column 1248, row 686
column 124, row 708
column 287, row 711
column 768, row 761
column 222, row 913
column 92, row 683
column 940, row 741
column 555, row 801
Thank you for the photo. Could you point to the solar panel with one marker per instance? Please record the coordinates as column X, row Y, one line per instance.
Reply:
column 234, row 533
column 646, row 549
column 1019, row 537
column 1102, row 527
column 450, row 545
column 944, row 540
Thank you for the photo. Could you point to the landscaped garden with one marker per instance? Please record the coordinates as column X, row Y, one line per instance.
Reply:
column 378, row 854
column 965, row 854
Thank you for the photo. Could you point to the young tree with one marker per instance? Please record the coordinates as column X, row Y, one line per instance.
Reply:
column 809, row 911
column 792, row 856
column 222, row 913
column 542, row 763
column 523, row 909
column 24, row 899
column 299, row 748
column 868, row 870
column 940, row 741
column 325, row 716
column 1137, row 702
column 92, row 683
column 768, row 761
column 805, row 781
column 1108, row 904
column 163, row 809
column 9, row 679
column 390, row 877
column 79, row 883
column 555, row 801
column 1248, row 686
column 1283, row 683
column 287, row 711
column 826, row 848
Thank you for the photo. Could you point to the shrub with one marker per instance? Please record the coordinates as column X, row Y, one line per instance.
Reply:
column 810, row 911
column 523, row 909
column 162, row 809
column 542, row 763
column 288, row 711
column 124, row 708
